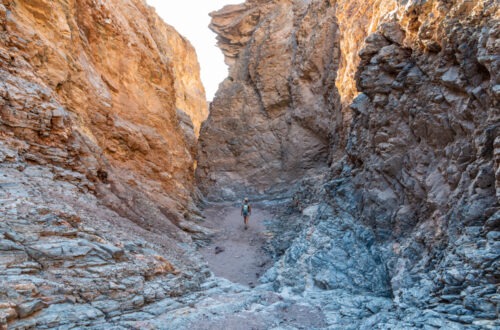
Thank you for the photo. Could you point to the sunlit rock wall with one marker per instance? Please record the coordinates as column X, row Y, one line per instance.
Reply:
column 104, row 88
column 100, row 105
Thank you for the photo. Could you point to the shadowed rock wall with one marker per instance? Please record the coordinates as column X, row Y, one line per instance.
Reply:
column 421, row 151
column 410, row 105
column 271, row 119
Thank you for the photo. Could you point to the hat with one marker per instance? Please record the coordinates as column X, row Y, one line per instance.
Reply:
column 246, row 199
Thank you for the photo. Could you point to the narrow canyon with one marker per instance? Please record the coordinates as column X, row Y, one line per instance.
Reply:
column 366, row 134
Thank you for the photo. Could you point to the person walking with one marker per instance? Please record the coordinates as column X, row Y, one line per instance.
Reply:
column 246, row 211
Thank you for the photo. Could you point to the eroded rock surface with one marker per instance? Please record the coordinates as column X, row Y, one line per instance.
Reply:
column 410, row 106
column 106, row 89
column 68, row 260
column 378, row 119
column 100, row 106
column 421, row 152
column 270, row 120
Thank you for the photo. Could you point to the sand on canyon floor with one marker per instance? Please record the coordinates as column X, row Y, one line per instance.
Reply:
column 242, row 259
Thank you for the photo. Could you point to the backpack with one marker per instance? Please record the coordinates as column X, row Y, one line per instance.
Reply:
column 245, row 208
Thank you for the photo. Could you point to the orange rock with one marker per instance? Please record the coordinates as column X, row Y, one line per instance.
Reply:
column 100, row 87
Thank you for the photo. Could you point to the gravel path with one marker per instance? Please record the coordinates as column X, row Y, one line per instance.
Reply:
column 240, row 257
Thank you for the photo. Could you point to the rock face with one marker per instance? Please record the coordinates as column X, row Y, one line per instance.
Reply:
column 285, row 102
column 270, row 120
column 100, row 107
column 421, row 153
column 104, row 89
column 402, row 100
column 380, row 119
column 68, row 261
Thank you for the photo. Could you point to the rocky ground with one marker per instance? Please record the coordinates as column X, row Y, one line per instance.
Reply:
column 68, row 260
column 235, row 253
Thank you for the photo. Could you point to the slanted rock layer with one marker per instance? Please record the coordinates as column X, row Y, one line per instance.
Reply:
column 103, row 88
column 271, row 119
column 100, row 106
column 371, row 127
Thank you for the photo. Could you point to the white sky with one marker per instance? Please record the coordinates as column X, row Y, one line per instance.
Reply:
column 190, row 18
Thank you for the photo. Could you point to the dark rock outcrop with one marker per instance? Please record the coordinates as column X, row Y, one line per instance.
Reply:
column 412, row 129
column 421, row 151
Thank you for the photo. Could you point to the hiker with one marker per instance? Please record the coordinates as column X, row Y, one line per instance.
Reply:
column 246, row 210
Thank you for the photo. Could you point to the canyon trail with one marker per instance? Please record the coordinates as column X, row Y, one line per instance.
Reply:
column 242, row 259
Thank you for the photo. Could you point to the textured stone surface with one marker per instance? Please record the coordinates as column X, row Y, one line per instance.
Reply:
column 100, row 106
column 412, row 113
column 267, row 125
column 422, row 149
column 67, row 260
column 106, row 89
column 378, row 119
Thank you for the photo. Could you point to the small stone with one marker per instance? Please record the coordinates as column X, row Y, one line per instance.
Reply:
column 116, row 252
column 361, row 104
column 393, row 32
column 452, row 78
column 496, row 91
column 28, row 308
column 219, row 249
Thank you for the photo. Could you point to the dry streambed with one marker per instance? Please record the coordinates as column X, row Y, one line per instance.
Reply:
column 235, row 253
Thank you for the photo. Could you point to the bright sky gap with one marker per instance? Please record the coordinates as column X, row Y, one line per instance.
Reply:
column 190, row 18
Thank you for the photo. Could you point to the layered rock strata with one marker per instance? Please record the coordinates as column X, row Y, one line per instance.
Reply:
column 68, row 261
column 100, row 106
column 103, row 89
column 410, row 106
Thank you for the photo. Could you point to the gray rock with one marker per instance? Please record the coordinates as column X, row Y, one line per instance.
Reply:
column 28, row 308
column 393, row 32
column 452, row 78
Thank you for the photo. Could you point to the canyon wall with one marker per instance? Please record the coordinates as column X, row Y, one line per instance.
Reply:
column 101, row 88
column 271, row 119
column 105, row 89
column 400, row 100
column 100, row 106
column 422, row 157
column 282, row 113
column 379, row 119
